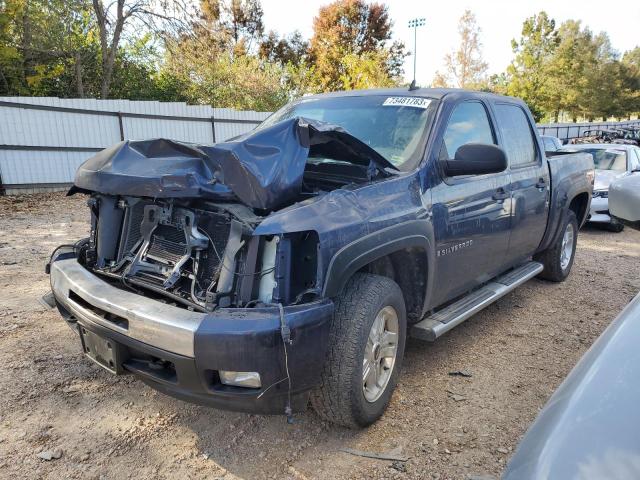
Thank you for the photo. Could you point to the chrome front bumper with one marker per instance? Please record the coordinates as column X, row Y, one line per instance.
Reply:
column 91, row 299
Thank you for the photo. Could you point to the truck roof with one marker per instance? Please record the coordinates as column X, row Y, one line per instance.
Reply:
column 437, row 93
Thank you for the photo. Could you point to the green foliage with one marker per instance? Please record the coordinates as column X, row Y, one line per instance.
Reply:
column 528, row 74
column 289, row 49
column 40, row 41
column 630, row 66
column 352, row 37
column 364, row 71
column 218, row 53
column 570, row 70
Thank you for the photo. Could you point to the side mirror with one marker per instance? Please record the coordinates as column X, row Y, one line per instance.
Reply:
column 476, row 159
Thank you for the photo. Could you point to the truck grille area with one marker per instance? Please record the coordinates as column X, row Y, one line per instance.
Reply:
column 188, row 253
column 131, row 234
column 164, row 247
column 168, row 245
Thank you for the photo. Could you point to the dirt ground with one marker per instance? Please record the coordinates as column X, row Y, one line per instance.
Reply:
column 518, row 351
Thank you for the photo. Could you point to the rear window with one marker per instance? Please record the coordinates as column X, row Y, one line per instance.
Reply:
column 517, row 137
column 604, row 158
column 608, row 159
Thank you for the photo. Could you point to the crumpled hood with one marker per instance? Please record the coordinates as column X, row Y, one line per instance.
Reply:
column 263, row 169
column 605, row 177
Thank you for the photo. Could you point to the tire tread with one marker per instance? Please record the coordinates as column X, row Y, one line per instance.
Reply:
column 332, row 399
column 550, row 258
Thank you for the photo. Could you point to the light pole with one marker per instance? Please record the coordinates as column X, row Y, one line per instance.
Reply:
column 415, row 23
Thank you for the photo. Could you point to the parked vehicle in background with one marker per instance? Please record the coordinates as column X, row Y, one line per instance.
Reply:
column 613, row 134
column 624, row 200
column 628, row 135
column 611, row 162
column 588, row 429
column 290, row 263
column 550, row 143
column 632, row 133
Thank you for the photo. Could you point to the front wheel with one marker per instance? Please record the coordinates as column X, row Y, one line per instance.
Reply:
column 366, row 346
column 558, row 258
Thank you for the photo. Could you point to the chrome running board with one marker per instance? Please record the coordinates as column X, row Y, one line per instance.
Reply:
column 436, row 324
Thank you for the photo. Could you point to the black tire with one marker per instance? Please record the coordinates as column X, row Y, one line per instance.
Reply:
column 340, row 398
column 615, row 226
column 551, row 257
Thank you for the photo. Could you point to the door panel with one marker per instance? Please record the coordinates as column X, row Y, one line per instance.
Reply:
column 472, row 233
column 529, row 180
column 471, row 214
column 530, row 191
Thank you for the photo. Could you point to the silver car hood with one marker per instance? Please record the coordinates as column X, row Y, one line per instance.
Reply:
column 605, row 177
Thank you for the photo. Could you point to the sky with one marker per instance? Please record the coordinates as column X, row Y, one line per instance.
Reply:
column 500, row 21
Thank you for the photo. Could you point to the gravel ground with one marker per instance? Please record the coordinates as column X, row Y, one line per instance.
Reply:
column 55, row 403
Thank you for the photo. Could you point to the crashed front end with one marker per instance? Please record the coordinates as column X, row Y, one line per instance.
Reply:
column 173, row 283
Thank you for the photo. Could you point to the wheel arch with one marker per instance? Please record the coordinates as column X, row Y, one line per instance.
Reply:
column 403, row 252
column 580, row 204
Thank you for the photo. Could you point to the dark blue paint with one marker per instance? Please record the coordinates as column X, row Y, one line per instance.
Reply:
column 470, row 229
column 488, row 235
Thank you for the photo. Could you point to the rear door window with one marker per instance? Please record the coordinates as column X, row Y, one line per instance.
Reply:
column 469, row 123
column 517, row 138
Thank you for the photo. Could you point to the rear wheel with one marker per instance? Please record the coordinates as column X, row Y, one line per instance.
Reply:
column 366, row 346
column 558, row 258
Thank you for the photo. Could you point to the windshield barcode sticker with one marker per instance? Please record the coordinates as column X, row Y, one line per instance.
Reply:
column 417, row 102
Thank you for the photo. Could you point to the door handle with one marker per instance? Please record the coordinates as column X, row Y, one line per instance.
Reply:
column 541, row 183
column 501, row 194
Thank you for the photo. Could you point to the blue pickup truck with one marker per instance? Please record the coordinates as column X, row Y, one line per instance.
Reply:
column 288, row 265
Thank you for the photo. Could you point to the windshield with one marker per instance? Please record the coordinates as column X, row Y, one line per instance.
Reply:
column 608, row 159
column 394, row 126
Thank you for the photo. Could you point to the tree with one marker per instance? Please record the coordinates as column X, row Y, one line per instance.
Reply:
column 630, row 71
column 225, row 80
column 363, row 71
column 604, row 93
column 566, row 68
column 464, row 67
column 238, row 23
column 288, row 49
column 112, row 19
column 216, row 63
column 528, row 73
column 346, row 32
column 43, row 46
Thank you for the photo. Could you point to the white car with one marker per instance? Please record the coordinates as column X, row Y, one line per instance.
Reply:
column 625, row 200
column 611, row 161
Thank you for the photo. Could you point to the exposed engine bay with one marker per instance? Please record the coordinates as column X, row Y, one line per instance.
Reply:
column 200, row 255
